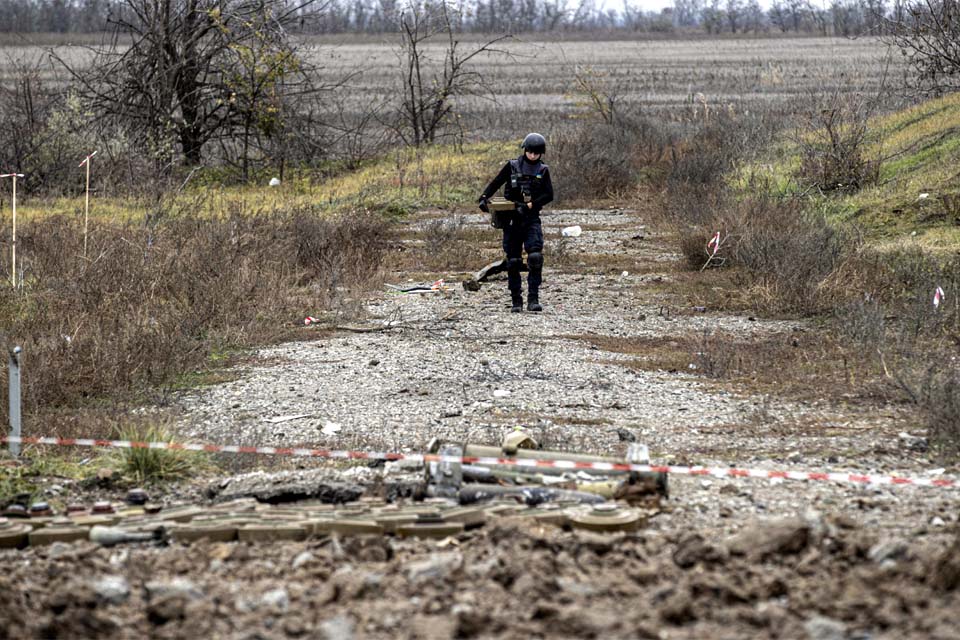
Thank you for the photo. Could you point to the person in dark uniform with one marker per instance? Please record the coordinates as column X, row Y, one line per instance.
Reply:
column 526, row 183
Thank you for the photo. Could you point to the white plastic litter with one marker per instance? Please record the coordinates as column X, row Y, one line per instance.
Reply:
column 624, row 274
column 923, row 196
column 571, row 232
column 501, row 393
column 279, row 419
column 274, row 182
column 331, row 428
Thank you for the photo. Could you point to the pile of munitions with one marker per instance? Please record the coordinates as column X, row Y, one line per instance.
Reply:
column 459, row 497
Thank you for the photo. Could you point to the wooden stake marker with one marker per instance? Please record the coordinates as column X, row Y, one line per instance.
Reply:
column 86, row 209
column 13, row 241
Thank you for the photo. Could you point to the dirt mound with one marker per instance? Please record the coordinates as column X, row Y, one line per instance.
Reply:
column 511, row 578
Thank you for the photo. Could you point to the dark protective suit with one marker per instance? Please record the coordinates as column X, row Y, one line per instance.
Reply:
column 524, row 182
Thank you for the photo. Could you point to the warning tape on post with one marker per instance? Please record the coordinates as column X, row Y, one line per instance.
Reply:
column 717, row 472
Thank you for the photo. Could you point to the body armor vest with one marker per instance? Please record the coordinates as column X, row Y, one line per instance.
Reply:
column 525, row 180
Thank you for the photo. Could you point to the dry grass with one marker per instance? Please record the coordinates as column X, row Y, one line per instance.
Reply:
column 803, row 365
column 442, row 246
column 157, row 306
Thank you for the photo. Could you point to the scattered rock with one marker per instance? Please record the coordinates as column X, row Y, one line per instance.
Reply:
column 888, row 550
column 175, row 587
column 693, row 548
column 773, row 537
column 276, row 599
column 823, row 628
column 912, row 442
column 678, row 608
column 625, row 435
column 338, row 628
column 946, row 570
column 112, row 589
column 166, row 608
column 303, row 559
column 436, row 567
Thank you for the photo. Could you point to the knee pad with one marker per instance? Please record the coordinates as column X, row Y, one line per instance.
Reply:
column 514, row 264
column 535, row 260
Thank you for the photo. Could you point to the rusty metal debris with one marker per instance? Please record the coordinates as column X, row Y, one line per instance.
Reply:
column 499, row 266
column 471, row 482
column 454, row 498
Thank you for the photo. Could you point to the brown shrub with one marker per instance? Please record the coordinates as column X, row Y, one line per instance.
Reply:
column 941, row 410
column 833, row 140
column 598, row 159
column 153, row 302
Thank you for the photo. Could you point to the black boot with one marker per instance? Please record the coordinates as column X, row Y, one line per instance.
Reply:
column 517, row 304
column 534, row 305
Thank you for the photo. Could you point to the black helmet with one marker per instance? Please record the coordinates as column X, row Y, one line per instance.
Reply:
column 535, row 143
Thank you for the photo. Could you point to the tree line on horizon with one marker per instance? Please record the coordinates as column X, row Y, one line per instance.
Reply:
column 714, row 17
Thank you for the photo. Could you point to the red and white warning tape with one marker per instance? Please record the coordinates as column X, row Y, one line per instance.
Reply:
column 718, row 472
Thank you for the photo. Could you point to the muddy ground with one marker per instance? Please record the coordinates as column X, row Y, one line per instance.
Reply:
column 724, row 558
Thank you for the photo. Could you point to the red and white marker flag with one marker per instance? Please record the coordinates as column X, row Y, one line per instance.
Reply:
column 714, row 244
column 309, row 320
column 11, row 175
column 87, row 159
column 938, row 297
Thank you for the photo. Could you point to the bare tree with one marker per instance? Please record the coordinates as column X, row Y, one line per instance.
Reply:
column 734, row 14
column 686, row 13
column 927, row 33
column 428, row 94
column 185, row 72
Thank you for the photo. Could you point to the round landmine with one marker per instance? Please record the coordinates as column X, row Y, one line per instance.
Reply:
column 271, row 532
column 102, row 507
column 40, row 523
column 368, row 501
column 137, row 497
column 502, row 509
column 16, row 511
column 181, row 514
column 470, row 516
column 321, row 525
column 391, row 520
column 317, row 525
column 549, row 514
column 58, row 533
column 607, row 516
column 318, row 507
column 151, row 509
column 223, row 531
column 286, row 515
column 355, row 511
column 351, row 527
column 234, row 506
column 430, row 529
column 13, row 535
column 40, row 510
column 90, row 521
column 76, row 509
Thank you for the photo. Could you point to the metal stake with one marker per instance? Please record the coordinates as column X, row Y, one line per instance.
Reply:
column 15, row 399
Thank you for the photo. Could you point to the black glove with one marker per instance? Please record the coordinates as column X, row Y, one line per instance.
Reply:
column 483, row 204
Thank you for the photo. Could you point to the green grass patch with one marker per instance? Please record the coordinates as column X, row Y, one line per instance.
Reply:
column 919, row 153
column 155, row 465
